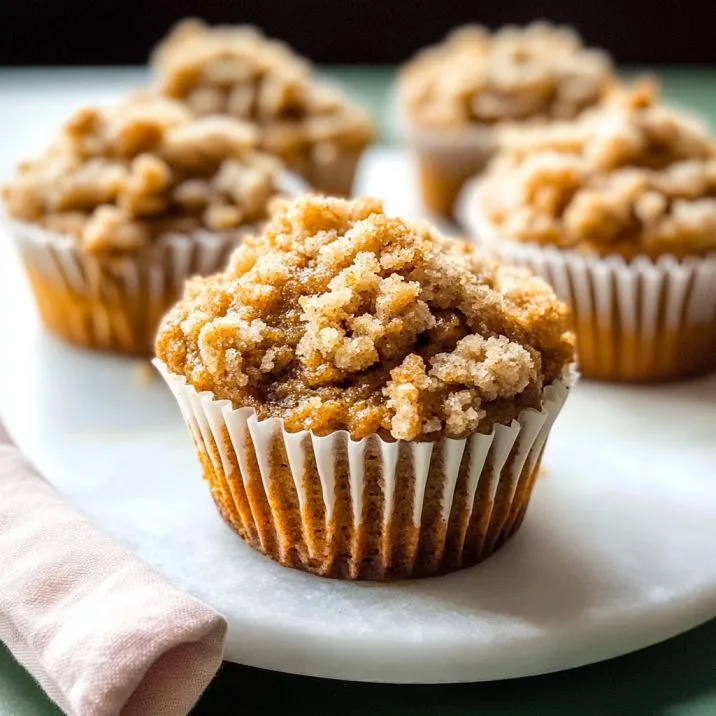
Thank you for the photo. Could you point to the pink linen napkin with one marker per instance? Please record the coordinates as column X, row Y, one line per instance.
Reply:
column 101, row 632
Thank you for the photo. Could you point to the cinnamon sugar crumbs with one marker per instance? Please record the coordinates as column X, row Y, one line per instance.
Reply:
column 631, row 177
column 539, row 71
column 235, row 70
column 117, row 177
column 340, row 317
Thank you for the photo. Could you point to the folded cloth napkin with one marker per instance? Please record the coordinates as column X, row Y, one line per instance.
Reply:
column 101, row 632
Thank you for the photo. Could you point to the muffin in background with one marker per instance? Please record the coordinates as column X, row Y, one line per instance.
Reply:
column 617, row 210
column 125, row 205
column 454, row 97
column 368, row 399
column 235, row 70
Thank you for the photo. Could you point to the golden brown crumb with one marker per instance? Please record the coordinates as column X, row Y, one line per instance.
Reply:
column 536, row 72
column 631, row 177
column 339, row 317
column 235, row 70
column 118, row 177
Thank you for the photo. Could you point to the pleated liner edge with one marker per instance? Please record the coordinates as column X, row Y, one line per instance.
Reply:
column 109, row 302
column 367, row 509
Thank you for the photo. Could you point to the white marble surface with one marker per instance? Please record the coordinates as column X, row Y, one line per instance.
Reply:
column 616, row 551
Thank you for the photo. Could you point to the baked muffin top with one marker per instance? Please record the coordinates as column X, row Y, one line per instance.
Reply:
column 237, row 71
column 631, row 177
column 118, row 177
column 340, row 317
column 515, row 74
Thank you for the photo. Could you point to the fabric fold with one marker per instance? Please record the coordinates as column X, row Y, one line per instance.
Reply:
column 100, row 630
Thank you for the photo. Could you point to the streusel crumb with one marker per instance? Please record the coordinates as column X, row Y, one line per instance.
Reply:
column 235, row 70
column 117, row 177
column 631, row 177
column 340, row 317
column 536, row 72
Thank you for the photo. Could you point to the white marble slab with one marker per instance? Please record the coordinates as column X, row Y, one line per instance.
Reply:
column 617, row 551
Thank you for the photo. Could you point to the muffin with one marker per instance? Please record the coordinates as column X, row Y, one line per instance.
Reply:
column 368, row 399
column 235, row 70
column 617, row 210
column 125, row 205
column 454, row 97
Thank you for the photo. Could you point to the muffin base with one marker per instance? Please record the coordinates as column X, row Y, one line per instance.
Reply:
column 441, row 181
column 114, row 303
column 406, row 552
column 112, row 324
column 607, row 353
column 447, row 161
column 366, row 509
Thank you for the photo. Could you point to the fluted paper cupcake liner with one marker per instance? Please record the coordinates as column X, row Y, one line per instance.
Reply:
column 446, row 160
column 114, row 302
column 335, row 176
column 638, row 321
column 366, row 509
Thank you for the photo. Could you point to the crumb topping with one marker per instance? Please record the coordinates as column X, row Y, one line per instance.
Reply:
column 235, row 70
column 631, row 177
column 535, row 72
column 340, row 317
column 118, row 177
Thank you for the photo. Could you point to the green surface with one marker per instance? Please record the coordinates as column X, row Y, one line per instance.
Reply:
column 677, row 678
column 19, row 693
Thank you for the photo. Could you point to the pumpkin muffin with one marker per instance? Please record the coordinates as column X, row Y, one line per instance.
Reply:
column 127, row 203
column 454, row 97
column 618, row 211
column 235, row 70
column 369, row 400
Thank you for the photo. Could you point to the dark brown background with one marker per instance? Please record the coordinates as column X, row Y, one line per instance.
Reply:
column 347, row 31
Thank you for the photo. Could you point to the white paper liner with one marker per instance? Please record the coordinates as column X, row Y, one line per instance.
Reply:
column 447, row 158
column 116, row 302
column 336, row 176
column 480, row 485
column 477, row 142
column 662, row 312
